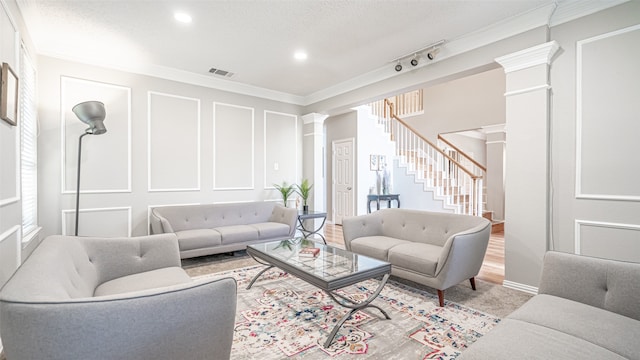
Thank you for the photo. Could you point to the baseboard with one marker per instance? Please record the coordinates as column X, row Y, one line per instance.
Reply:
column 520, row 287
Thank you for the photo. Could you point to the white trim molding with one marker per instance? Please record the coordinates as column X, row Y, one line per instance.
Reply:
column 253, row 147
column 520, row 287
column 603, row 224
column 265, row 141
column 63, row 135
column 533, row 56
column 579, row 194
column 16, row 229
column 105, row 209
column 198, row 143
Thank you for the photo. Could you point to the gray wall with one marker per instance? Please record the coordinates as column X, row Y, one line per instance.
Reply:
column 594, row 134
column 167, row 143
column 339, row 127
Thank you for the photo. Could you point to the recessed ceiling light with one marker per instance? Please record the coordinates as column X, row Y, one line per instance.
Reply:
column 182, row 17
column 300, row 55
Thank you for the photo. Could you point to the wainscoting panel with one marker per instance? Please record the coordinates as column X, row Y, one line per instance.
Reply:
column 174, row 143
column 608, row 240
column 9, row 163
column 106, row 158
column 106, row 222
column 280, row 148
column 10, row 246
column 233, row 147
column 607, row 126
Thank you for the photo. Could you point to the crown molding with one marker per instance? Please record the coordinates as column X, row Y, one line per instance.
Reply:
column 573, row 9
column 550, row 14
column 537, row 55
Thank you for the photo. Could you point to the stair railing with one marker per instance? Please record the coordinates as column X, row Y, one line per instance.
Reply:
column 460, row 186
column 463, row 158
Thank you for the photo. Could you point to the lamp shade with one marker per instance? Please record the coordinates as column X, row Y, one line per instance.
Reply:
column 93, row 114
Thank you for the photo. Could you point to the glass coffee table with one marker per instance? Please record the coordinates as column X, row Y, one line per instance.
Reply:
column 331, row 269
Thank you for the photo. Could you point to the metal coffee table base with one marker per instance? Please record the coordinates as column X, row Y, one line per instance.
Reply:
column 346, row 302
column 355, row 306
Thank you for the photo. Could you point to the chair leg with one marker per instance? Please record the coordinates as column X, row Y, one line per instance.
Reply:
column 473, row 283
column 441, row 297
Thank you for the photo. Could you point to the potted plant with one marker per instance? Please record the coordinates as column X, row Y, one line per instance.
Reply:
column 285, row 191
column 304, row 190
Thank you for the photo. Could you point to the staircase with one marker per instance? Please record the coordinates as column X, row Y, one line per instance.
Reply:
column 459, row 187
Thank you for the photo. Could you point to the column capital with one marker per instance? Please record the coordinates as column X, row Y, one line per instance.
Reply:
column 537, row 55
column 313, row 118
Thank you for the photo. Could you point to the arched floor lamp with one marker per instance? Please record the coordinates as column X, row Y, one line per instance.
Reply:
column 93, row 114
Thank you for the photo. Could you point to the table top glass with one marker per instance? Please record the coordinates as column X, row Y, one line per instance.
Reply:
column 331, row 269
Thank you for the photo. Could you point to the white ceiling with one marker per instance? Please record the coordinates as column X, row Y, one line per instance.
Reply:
column 255, row 39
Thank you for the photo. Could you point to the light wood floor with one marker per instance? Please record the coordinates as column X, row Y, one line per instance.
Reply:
column 492, row 268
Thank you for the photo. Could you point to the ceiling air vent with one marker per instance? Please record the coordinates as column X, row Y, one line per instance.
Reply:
column 220, row 72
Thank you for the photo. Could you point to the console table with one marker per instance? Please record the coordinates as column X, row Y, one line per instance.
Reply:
column 382, row 197
column 310, row 215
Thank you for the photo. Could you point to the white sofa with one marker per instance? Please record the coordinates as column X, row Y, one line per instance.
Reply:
column 217, row 228
column 91, row 298
column 586, row 308
column 435, row 249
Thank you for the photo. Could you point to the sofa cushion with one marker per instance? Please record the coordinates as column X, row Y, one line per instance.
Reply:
column 419, row 257
column 375, row 246
column 143, row 281
column 198, row 239
column 604, row 328
column 515, row 339
column 270, row 230
column 237, row 233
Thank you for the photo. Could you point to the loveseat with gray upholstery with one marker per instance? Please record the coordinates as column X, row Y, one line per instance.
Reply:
column 435, row 249
column 218, row 228
column 586, row 308
column 90, row 298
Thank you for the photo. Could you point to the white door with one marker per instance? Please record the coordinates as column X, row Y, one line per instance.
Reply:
column 343, row 173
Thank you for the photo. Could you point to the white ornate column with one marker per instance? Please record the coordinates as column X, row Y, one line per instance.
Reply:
column 313, row 158
column 527, row 193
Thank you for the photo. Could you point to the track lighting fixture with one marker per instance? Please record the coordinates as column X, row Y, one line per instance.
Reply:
column 414, row 60
column 432, row 54
column 431, row 51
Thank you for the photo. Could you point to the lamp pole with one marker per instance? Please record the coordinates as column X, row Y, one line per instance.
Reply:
column 78, row 180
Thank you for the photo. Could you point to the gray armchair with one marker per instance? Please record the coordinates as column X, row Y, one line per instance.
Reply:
column 114, row 298
column 435, row 249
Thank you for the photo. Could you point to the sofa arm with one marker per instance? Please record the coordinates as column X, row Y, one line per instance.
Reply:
column 285, row 215
column 159, row 224
column 463, row 254
column 190, row 321
column 360, row 226
column 607, row 284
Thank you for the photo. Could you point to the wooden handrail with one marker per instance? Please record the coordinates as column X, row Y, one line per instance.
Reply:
column 393, row 115
column 482, row 167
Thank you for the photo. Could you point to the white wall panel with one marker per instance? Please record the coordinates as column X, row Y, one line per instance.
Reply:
column 608, row 240
column 105, row 222
column 174, row 143
column 280, row 148
column 106, row 158
column 607, row 117
column 233, row 147
column 10, row 246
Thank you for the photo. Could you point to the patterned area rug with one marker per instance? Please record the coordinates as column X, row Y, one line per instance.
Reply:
column 284, row 317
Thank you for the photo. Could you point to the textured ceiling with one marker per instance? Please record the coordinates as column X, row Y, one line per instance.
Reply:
column 255, row 40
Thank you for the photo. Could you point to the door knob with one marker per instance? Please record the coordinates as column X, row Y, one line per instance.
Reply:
column 349, row 188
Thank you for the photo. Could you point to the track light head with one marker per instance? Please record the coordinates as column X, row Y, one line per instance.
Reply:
column 414, row 60
column 398, row 67
column 432, row 54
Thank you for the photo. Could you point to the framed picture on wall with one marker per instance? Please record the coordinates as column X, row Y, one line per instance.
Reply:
column 9, row 95
column 382, row 162
column 373, row 162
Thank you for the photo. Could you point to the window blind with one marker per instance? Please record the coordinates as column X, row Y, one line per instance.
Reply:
column 29, row 144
